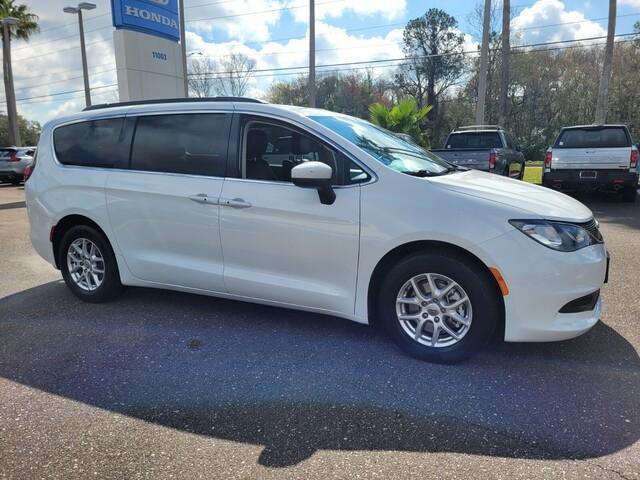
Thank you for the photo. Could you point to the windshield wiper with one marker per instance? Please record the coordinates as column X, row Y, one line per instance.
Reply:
column 422, row 173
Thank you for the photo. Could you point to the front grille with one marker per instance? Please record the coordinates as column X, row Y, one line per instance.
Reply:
column 592, row 228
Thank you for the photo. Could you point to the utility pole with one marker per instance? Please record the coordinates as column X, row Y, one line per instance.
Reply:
column 312, row 54
column 603, row 92
column 183, row 46
column 83, row 51
column 10, row 94
column 484, row 63
column 506, row 60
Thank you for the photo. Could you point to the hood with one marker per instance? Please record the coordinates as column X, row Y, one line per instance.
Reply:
column 532, row 199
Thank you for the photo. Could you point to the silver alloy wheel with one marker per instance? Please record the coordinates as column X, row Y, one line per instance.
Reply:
column 86, row 264
column 434, row 310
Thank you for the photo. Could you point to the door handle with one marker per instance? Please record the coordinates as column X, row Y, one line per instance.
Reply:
column 234, row 202
column 204, row 199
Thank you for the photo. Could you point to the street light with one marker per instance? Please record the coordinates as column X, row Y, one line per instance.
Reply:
column 10, row 94
column 85, row 73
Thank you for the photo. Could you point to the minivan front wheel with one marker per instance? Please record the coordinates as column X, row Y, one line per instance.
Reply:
column 88, row 265
column 439, row 307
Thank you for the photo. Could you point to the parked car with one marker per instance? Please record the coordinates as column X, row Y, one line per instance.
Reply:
column 13, row 161
column 593, row 157
column 312, row 210
column 483, row 147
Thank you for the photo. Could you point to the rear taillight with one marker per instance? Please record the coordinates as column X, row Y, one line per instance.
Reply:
column 28, row 170
column 633, row 161
column 493, row 158
column 13, row 157
column 547, row 160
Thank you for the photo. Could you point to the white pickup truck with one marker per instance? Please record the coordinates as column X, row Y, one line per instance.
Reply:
column 593, row 157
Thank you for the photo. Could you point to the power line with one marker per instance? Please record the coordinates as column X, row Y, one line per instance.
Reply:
column 418, row 57
column 294, row 7
column 368, row 67
column 29, row 87
column 24, row 47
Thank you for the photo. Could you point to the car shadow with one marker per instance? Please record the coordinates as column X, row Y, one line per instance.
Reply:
column 296, row 383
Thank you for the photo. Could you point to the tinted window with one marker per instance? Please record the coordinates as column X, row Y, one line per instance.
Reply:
column 191, row 143
column 610, row 137
column 272, row 151
column 96, row 143
column 475, row 140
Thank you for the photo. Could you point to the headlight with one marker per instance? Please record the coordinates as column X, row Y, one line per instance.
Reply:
column 564, row 237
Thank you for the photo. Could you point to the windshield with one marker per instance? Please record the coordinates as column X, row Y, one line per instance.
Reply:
column 384, row 146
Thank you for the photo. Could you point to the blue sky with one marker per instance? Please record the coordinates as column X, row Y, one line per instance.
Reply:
column 347, row 31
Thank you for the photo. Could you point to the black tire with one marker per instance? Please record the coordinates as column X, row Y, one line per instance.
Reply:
column 630, row 194
column 522, row 167
column 476, row 282
column 111, row 286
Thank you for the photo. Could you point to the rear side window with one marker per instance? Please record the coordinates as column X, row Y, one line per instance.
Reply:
column 474, row 140
column 184, row 143
column 610, row 137
column 95, row 143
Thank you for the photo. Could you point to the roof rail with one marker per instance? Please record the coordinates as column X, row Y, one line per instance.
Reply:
column 172, row 100
column 481, row 127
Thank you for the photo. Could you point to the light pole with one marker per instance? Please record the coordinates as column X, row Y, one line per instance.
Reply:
column 85, row 73
column 183, row 47
column 312, row 54
column 10, row 94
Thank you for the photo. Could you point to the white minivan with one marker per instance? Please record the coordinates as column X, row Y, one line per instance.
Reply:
column 313, row 210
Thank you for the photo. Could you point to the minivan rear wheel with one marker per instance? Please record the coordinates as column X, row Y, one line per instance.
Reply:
column 88, row 265
column 438, row 307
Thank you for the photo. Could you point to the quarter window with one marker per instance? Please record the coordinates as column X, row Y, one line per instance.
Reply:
column 95, row 143
column 186, row 143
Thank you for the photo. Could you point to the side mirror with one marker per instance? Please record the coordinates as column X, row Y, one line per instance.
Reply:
column 315, row 175
column 518, row 148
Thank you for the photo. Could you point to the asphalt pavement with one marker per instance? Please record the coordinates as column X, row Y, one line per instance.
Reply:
column 168, row 385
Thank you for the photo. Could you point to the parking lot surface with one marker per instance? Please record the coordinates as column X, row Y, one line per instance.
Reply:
column 167, row 385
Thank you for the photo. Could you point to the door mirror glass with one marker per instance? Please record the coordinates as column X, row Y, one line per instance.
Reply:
column 315, row 175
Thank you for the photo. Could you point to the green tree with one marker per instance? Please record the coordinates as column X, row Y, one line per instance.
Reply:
column 349, row 93
column 26, row 26
column 405, row 117
column 433, row 47
column 29, row 131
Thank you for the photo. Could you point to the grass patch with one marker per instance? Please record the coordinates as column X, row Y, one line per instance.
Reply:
column 533, row 174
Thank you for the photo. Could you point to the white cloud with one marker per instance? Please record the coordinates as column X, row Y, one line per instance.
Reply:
column 631, row 3
column 333, row 45
column 528, row 26
column 386, row 9
column 242, row 20
column 50, row 62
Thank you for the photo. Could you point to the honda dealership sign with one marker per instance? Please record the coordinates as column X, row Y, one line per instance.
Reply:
column 148, row 55
column 154, row 17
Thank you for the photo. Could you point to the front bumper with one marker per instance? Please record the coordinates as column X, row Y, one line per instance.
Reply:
column 541, row 282
column 577, row 180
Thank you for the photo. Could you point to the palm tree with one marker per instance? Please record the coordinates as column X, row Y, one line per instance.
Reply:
column 26, row 26
column 603, row 91
column 405, row 117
